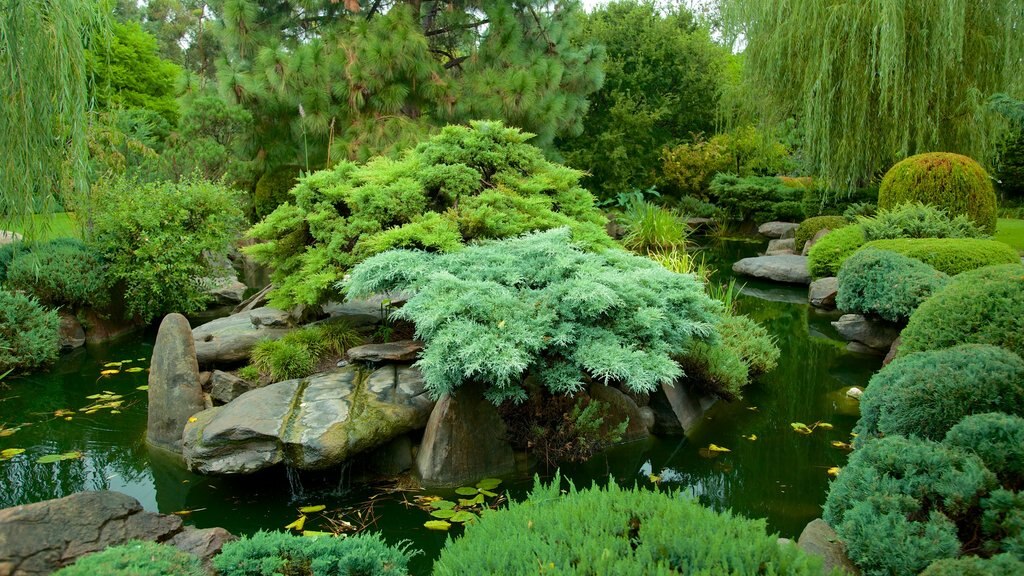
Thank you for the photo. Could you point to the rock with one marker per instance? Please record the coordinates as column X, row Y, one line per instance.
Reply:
column 465, row 440
column 791, row 268
column 781, row 246
column 368, row 312
column 203, row 543
column 677, row 410
column 814, row 240
column 783, row 541
column 893, row 350
column 392, row 458
column 620, row 407
column 859, row 348
column 229, row 340
column 820, row 539
column 398, row 351
column 225, row 291
column 699, row 223
column 878, row 335
column 7, row 237
column 778, row 229
column 647, row 416
column 786, row 294
column 72, row 335
column 225, row 387
column 311, row 423
column 822, row 292
column 854, row 393
column 174, row 390
column 257, row 300
column 100, row 328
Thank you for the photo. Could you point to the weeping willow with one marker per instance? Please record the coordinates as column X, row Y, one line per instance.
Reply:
column 43, row 93
column 873, row 81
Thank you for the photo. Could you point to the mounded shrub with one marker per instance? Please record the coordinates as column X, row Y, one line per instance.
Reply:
column 29, row 333
column 282, row 553
column 1000, row 565
column 756, row 199
column 917, row 220
column 951, row 255
column 953, row 182
column 886, row 284
column 62, row 272
column 808, row 228
column 136, row 559
column 272, row 189
column 1002, row 522
column 615, row 530
column 7, row 254
column 927, row 393
column 996, row 438
column 984, row 306
column 828, row 254
column 745, row 352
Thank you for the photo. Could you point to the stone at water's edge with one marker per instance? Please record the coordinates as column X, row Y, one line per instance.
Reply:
column 782, row 268
column 876, row 334
column 311, row 423
column 819, row 539
column 465, row 440
column 257, row 300
column 823, row 291
column 677, row 410
column 226, row 387
column 230, row 340
column 620, row 407
column 781, row 246
column 175, row 393
column 893, row 350
column 814, row 240
column 100, row 328
column 72, row 335
column 398, row 351
column 225, row 291
column 778, row 229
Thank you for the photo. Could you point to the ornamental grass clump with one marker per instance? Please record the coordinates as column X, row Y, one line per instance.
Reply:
column 886, row 284
column 299, row 353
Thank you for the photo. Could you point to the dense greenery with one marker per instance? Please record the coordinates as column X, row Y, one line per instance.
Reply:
column 819, row 200
column 299, row 353
column 136, row 558
column 496, row 311
column 272, row 189
column 274, row 553
column 28, row 331
column 756, row 199
column 62, row 272
column 746, row 351
column 917, row 220
column 808, row 228
column 652, row 228
column 827, row 255
column 950, row 255
column 614, row 530
column 999, row 565
column 886, row 284
column 996, row 438
column 952, row 182
column 482, row 181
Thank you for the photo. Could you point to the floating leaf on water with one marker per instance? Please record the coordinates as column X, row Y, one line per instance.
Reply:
column 834, row 471
column 5, row 432
column 298, row 524
column 488, row 484
column 128, row 361
column 109, row 372
column 654, row 478
column 115, row 411
column 73, row 455
column 841, row 445
column 112, row 365
column 801, row 428
column 466, row 491
column 93, row 396
column 823, row 425
column 134, row 369
column 716, row 448
column 67, row 417
column 467, row 503
column 751, row 437
column 140, row 359
column 442, row 504
column 49, row 459
column 312, row 509
column 316, row 533
column 437, row 525
column 443, row 514
column 488, row 493
column 752, row 408
column 462, row 516
column 142, row 387
column 8, row 453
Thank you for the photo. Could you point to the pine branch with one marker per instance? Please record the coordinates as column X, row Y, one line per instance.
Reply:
column 373, row 10
column 439, row 31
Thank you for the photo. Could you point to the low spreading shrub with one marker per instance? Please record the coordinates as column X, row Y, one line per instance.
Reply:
column 859, row 210
column 281, row 553
column 996, row 438
column 828, row 254
column 29, row 336
column 820, row 201
column 984, row 306
column 62, row 272
column 886, row 284
column 951, row 255
column 696, row 208
column 136, row 559
column 1002, row 522
column 298, row 353
column 927, row 393
column 7, row 254
column 756, row 199
column 746, row 351
column 1000, row 565
column 917, row 220
column 615, row 530
column 808, row 228
column 651, row 228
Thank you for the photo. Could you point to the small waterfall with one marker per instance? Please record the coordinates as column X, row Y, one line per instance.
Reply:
column 344, row 478
column 294, row 483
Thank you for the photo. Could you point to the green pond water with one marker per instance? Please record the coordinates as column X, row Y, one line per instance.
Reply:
column 781, row 476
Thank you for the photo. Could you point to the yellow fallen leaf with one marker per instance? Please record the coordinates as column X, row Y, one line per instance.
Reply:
column 298, row 524
column 109, row 372
column 834, row 471
column 193, row 419
column 655, row 478
column 751, row 437
column 716, row 448
column 312, row 509
column 823, row 425
column 840, row 445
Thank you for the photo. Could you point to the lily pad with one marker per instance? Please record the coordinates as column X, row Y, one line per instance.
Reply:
column 443, row 514
column 440, row 525
column 8, row 453
column 443, row 504
column 801, row 428
column 142, row 387
column 488, row 484
column 134, row 369
column 49, row 459
column 466, row 491
column 463, row 516
column 312, row 509
column 488, row 493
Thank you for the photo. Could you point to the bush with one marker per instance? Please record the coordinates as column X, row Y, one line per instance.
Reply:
column 886, row 284
column 996, row 438
column 951, row 255
column 651, row 228
column 272, row 189
column 277, row 553
column 819, row 201
column 7, row 254
column 61, row 273
column 1000, row 565
column 808, row 228
column 828, row 254
column 496, row 310
column 756, row 199
column 916, row 220
column 984, row 306
column 860, row 209
column 1002, row 522
column 298, row 353
column 29, row 333
column 898, row 503
column 555, row 428
column 155, row 237
column 614, row 530
column 927, row 393
column 136, row 559
column 952, row 182
column 696, row 208
column 745, row 352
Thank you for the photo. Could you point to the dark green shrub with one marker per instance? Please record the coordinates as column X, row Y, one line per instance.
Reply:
column 951, row 255
column 860, row 209
column 898, row 503
column 136, row 559
column 808, row 228
column 828, row 254
column 917, row 220
column 1000, row 565
column 696, row 208
column 1002, row 522
column 61, row 273
column 820, row 201
column 7, row 254
column 955, row 183
column 745, row 352
column 29, row 336
column 281, row 553
column 984, row 306
column 886, row 284
column 272, row 189
column 927, row 393
column 996, row 438
column 756, row 199
column 618, row 531
column 651, row 228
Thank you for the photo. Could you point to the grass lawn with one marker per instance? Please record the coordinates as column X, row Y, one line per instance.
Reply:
column 58, row 225
column 1012, row 232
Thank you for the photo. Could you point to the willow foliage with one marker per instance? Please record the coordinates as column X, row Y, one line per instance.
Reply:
column 874, row 81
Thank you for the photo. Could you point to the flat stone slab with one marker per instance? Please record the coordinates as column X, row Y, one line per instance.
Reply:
column 230, row 340
column 398, row 351
column 782, row 268
column 778, row 229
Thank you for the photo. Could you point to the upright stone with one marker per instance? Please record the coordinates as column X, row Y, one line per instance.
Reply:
column 174, row 390
column 819, row 539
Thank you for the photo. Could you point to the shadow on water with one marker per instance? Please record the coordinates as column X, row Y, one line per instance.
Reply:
column 781, row 476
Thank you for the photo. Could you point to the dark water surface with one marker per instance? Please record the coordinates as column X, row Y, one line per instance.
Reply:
column 781, row 476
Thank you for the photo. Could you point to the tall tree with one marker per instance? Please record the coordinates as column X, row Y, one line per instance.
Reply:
column 872, row 81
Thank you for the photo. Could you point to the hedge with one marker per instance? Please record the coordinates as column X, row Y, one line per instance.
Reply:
column 886, row 284
column 951, row 255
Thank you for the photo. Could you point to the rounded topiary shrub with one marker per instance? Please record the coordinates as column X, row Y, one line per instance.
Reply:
column 984, row 306
column 29, row 336
column 886, row 284
column 136, row 559
column 952, row 182
column 996, row 438
column 808, row 228
column 927, row 393
column 1000, row 565
column 619, row 531
column 276, row 553
column 951, row 255
column 828, row 254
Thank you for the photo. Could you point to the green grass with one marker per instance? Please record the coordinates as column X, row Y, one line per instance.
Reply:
column 48, row 227
column 1011, row 232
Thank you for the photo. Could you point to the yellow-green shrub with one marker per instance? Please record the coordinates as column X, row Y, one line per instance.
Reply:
column 950, row 255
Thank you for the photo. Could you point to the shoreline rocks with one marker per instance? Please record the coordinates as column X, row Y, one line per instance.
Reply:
column 778, row 229
column 175, row 393
column 230, row 340
column 783, row 268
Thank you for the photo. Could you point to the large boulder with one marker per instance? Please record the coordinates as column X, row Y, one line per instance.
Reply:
column 677, row 410
column 819, row 539
column 226, row 291
column 823, row 291
column 310, row 423
column 814, row 240
column 175, row 393
column 778, row 229
column 398, row 351
column 874, row 334
column 620, row 408
column 366, row 312
column 230, row 340
column 781, row 246
column 782, row 268
column 72, row 335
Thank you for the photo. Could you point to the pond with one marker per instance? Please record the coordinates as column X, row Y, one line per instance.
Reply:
column 781, row 475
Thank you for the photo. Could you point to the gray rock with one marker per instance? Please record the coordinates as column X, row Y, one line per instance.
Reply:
column 100, row 328
column 620, row 407
column 894, row 349
column 465, row 440
column 392, row 458
column 174, row 390
column 647, row 417
column 7, row 237
column 255, row 301
column 814, row 240
column 203, row 543
column 819, row 539
column 875, row 334
column 791, row 268
column 225, row 387
column 822, row 292
column 398, row 351
column 230, row 340
column 72, row 335
column 781, row 246
column 312, row 423
column 677, row 410
column 225, row 291
column 699, row 223
column 368, row 312
column 858, row 348
column 778, row 229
